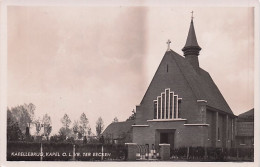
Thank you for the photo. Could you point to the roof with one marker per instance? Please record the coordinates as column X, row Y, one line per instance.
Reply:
column 246, row 116
column 118, row 128
column 191, row 38
column 201, row 84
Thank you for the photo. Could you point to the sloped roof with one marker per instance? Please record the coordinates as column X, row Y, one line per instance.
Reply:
column 201, row 84
column 118, row 128
column 247, row 116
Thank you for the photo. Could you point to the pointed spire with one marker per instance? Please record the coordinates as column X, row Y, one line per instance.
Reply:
column 191, row 49
column 191, row 39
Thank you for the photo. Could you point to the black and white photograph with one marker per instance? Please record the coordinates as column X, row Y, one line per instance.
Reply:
column 129, row 83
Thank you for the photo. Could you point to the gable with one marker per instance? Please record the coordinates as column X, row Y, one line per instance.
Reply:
column 168, row 76
column 185, row 81
column 163, row 79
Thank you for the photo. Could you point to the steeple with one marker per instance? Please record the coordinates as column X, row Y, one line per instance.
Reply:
column 191, row 49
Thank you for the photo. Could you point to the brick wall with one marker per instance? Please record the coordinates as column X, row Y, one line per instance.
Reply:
column 174, row 80
column 225, row 128
column 211, row 120
column 183, row 135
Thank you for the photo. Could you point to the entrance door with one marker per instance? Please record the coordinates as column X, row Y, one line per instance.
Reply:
column 164, row 138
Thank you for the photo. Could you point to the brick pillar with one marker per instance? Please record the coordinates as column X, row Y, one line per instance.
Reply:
column 217, row 129
column 203, row 114
column 165, row 151
column 233, row 132
column 131, row 151
column 202, row 110
column 227, row 129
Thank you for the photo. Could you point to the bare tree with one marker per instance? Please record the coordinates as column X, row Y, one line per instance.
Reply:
column 37, row 123
column 30, row 109
column 89, row 131
column 47, row 130
column 99, row 126
column 83, row 124
column 46, row 121
column 75, row 128
column 66, row 121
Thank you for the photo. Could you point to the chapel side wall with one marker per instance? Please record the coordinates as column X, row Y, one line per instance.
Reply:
column 221, row 125
column 211, row 120
column 224, row 124
column 174, row 80
column 194, row 136
column 229, row 139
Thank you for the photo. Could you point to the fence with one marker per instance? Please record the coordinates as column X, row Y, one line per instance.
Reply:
column 25, row 151
column 212, row 154
column 142, row 152
column 34, row 151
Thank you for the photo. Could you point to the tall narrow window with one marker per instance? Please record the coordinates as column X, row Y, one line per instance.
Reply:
column 159, row 107
column 163, row 105
column 155, row 109
column 171, row 104
column 232, row 126
column 228, row 133
column 175, row 107
column 218, row 134
column 179, row 108
column 167, row 103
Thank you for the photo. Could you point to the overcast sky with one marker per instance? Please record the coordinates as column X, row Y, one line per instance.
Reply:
column 100, row 60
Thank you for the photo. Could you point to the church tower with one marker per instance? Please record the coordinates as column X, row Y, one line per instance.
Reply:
column 191, row 49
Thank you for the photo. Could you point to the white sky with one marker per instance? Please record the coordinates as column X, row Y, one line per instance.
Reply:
column 100, row 60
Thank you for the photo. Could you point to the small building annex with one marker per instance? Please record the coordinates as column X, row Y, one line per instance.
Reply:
column 244, row 133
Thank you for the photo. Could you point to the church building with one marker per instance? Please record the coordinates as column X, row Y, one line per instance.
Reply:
column 182, row 105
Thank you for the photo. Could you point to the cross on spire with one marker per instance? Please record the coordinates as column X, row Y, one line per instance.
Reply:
column 168, row 43
column 192, row 15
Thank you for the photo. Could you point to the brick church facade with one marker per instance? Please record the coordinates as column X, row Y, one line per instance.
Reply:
column 182, row 105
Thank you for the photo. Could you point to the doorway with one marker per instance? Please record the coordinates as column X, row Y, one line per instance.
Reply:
column 166, row 136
